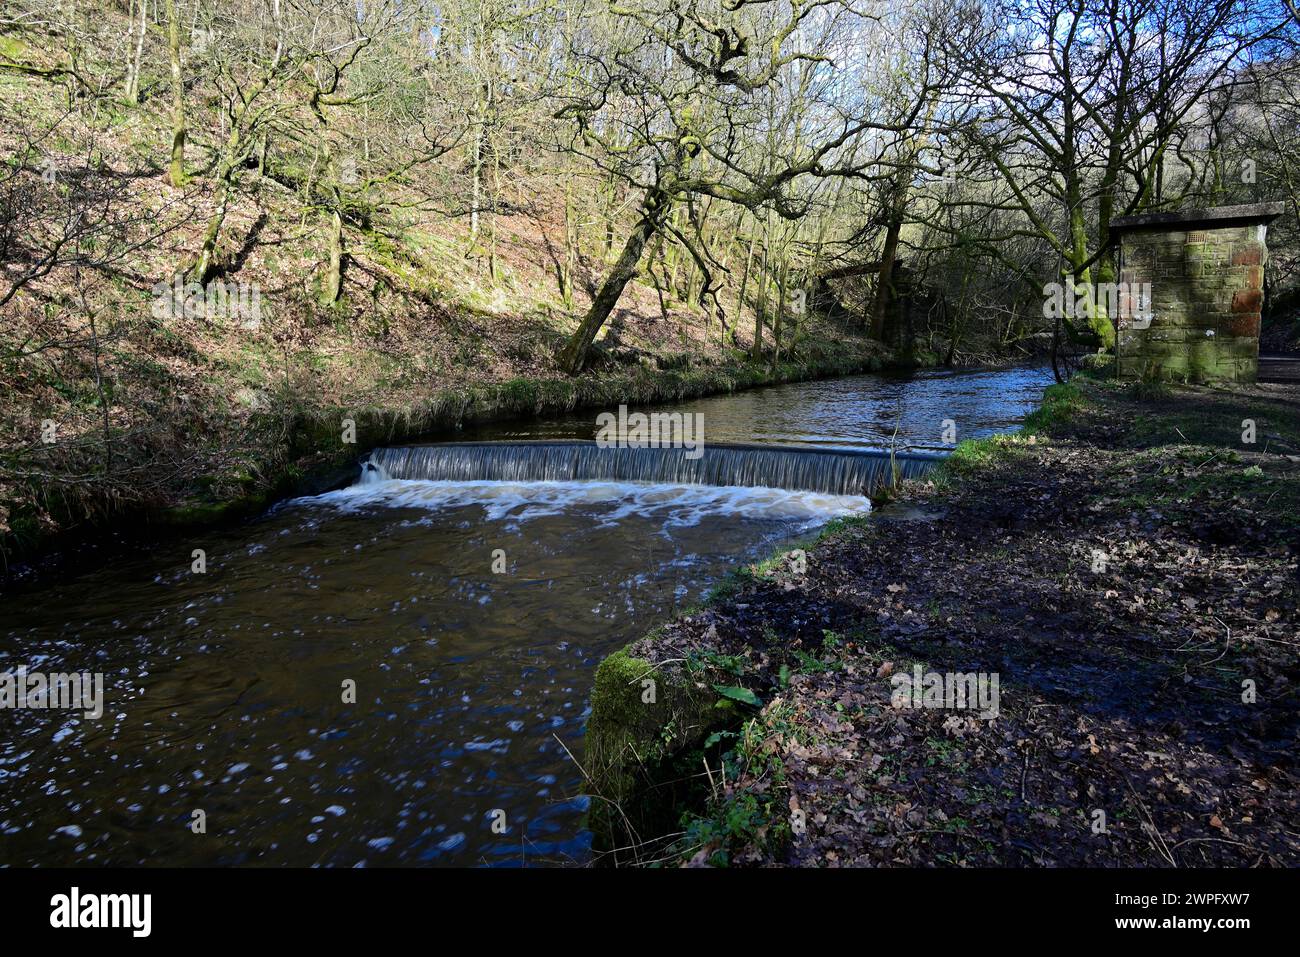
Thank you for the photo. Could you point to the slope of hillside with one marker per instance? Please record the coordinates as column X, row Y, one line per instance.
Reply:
column 130, row 390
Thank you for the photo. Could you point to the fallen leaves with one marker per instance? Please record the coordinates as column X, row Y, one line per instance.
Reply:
column 1120, row 690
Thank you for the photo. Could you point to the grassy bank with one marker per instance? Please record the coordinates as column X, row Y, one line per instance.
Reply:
column 1125, row 566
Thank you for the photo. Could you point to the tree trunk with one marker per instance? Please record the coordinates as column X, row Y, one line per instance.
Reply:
column 203, row 267
column 885, row 278
column 496, row 204
column 760, row 310
column 476, row 195
column 782, row 276
column 1096, row 319
column 611, row 212
column 574, row 357
column 225, row 173
column 334, row 275
column 744, row 275
column 570, row 243
column 176, row 171
column 132, row 91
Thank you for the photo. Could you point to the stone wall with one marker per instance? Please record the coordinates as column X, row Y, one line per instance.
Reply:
column 1206, row 276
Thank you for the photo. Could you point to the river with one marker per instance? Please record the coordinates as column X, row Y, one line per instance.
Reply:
column 396, row 673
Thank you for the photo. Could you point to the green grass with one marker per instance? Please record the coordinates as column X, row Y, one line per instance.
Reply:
column 1149, row 390
column 1164, row 476
column 1187, row 448
column 1060, row 402
column 838, row 526
column 11, row 48
column 1209, row 423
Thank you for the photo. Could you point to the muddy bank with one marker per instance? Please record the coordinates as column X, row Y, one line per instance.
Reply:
column 1125, row 570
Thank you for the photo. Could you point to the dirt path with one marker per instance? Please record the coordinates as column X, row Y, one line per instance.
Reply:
column 1126, row 570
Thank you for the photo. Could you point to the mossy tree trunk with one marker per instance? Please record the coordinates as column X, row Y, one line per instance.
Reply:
column 573, row 358
column 333, row 286
column 885, row 278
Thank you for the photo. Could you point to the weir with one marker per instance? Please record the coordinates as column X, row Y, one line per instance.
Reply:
column 833, row 471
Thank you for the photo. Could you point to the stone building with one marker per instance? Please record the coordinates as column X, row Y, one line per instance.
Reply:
column 1191, row 291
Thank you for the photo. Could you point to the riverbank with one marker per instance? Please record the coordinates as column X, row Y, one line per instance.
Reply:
column 298, row 449
column 1125, row 568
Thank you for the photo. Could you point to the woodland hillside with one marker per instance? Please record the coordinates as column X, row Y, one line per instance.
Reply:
column 228, row 225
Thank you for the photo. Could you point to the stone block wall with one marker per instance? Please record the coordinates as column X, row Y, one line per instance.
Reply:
column 1206, row 285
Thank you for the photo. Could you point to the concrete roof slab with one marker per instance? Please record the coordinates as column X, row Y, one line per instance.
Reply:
column 1211, row 217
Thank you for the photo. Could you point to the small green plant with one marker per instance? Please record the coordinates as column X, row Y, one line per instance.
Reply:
column 706, row 660
column 810, row 664
column 1149, row 390
column 740, row 817
column 837, row 526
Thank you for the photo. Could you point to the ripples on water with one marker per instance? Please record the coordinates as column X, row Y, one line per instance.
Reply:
column 224, row 691
column 854, row 412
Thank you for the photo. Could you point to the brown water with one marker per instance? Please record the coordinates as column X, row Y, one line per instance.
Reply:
column 224, row 691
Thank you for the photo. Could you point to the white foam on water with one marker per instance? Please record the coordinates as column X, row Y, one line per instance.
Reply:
column 521, row 501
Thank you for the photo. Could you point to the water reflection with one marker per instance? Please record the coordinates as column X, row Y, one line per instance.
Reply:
column 855, row 412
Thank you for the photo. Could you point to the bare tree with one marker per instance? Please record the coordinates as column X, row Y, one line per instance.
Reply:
column 668, row 108
column 1076, row 103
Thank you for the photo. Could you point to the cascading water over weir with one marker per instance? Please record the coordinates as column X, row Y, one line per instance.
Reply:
column 832, row 471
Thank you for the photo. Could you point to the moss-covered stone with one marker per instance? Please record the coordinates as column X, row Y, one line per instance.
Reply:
column 645, row 720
